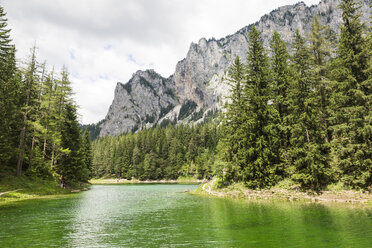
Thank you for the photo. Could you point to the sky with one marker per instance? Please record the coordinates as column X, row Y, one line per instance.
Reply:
column 103, row 42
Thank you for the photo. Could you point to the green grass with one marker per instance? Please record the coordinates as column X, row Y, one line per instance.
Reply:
column 287, row 184
column 337, row 187
column 23, row 188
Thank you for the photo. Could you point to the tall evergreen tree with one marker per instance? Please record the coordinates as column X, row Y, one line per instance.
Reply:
column 261, row 138
column 86, row 152
column 37, row 129
column 5, row 42
column 62, row 96
column 309, row 152
column 233, row 121
column 281, row 78
column 321, row 48
column 352, row 144
column 136, row 160
column 31, row 96
column 48, row 111
column 10, row 96
column 70, row 165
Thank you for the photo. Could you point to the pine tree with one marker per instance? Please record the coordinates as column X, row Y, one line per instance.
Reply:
column 11, row 97
column 321, row 49
column 351, row 142
column 309, row 152
column 86, row 152
column 37, row 129
column 70, row 165
column 5, row 42
column 367, row 88
column 281, row 78
column 300, row 107
column 61, row 96
column 30, row 81
column 232, row 124
column 48, row 112
column 261, row 139
column 10, row 110
column 136, row 160
column 174, row 162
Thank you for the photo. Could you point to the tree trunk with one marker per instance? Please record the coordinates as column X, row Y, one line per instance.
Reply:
column 324, row 113
column 32, row 153
column 52, row 159
column 22, row 137
column 44, row 147
column 307, row 135
column 20, row 146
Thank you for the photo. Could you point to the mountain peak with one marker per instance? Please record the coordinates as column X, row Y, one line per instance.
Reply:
column 198, row 84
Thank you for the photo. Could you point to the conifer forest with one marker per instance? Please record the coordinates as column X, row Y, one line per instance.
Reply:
column 39, row 129
column 262, row 138
column 298, row 112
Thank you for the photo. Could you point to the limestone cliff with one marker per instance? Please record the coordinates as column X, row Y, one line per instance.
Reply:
column 198, row 83
column 139, row 103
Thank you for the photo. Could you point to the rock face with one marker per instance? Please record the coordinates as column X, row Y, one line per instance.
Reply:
column 198, row 85
column 144, row 99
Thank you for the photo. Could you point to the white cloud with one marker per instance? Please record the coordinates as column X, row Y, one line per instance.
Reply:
column 103, row 42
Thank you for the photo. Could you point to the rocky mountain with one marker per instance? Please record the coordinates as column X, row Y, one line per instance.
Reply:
column 139, row 103
column 198, row 87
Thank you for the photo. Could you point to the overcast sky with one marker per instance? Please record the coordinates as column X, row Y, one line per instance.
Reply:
column 103, row 42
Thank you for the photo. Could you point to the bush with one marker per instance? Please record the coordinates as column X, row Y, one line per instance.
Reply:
column 337, row 187
column 287, row 184
column 219, row 184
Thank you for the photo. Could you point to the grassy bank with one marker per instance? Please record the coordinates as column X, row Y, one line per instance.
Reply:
column 181, row 180
column 238, row 190
column 13, row 189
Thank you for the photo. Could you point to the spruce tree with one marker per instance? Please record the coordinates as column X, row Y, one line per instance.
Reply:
column 70, row 165
column 86, row 152
column 10, row 96
column 321, row 49
column 136, row 160
column 261, row 138
column 5, row 42
column 36, row 133
column 350, row 105
column 48, row 112
column 367, row 86
column 309, row 152
column 233, row 121
column 28, row 110
column 280, row 84
column 61, row 96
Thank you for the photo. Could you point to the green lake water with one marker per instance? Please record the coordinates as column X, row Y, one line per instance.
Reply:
column 166, row 216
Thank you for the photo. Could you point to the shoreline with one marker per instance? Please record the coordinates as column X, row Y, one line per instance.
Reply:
column 238, row 191
column 19, row 199
column 109, row 181
column 19, row 189
column 15, row 196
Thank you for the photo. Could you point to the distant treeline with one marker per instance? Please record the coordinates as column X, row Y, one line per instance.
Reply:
column 39, row 131
column 158, row 153
column 301, row 115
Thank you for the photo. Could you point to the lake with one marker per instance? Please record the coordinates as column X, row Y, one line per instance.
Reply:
column 163, row 215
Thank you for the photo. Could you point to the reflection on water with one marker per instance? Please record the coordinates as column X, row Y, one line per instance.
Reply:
column 165, row 216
